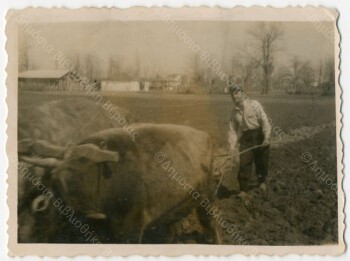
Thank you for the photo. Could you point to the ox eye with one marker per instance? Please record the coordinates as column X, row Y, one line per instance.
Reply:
column 40, row 203
column 103, row 145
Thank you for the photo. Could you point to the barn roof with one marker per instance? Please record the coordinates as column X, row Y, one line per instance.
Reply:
column 43, row 74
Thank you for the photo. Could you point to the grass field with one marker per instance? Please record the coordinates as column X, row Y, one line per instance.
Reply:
column 298, row 208
column 209, row 113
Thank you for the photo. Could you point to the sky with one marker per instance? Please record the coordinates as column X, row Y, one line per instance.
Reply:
column 154, row 47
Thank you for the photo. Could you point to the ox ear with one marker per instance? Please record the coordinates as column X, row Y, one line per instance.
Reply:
column 92, row 152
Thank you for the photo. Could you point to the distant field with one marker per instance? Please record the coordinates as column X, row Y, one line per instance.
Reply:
column 208, row 113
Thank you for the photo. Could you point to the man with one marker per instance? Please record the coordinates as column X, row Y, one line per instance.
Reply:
column 249, row 127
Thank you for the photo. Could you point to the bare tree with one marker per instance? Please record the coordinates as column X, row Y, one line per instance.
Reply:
column 292, row 75
column 298, row 76
column 320, row 72
column 74, row 57
column 23, row 63
column 329, row 77
column 307, row 75
column 329, row 70
column 137, row 66
column 89, row 66
column 244, row 69
column 196, row 70
column 265, row 37
column 114, row 68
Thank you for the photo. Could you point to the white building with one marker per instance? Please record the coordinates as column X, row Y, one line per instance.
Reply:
column 43, row 80
column 120, row 86
column 174, row 82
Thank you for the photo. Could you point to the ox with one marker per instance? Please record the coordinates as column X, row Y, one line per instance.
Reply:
column 61, row 122
column 111, row 176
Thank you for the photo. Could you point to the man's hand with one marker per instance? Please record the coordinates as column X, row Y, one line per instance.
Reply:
column 266, row 141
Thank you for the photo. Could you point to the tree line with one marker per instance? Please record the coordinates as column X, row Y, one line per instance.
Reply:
column 253, row 67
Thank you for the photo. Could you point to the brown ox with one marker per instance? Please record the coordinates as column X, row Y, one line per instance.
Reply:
column 60, row 122
column 111, row 176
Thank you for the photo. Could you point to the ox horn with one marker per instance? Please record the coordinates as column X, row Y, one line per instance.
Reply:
column 96, row 215
column 41, row 148
column 92, row 152
column 42, row 162
column 25, row 145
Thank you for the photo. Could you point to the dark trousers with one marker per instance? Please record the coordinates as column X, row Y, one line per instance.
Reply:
column 258, row 156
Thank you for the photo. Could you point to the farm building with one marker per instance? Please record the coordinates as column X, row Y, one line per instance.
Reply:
column 174, row 82
column 39, row 80
column 145, row 84
column 120, row 86
column 158, row 84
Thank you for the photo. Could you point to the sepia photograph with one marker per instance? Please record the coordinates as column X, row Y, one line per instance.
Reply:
column 160, row 127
